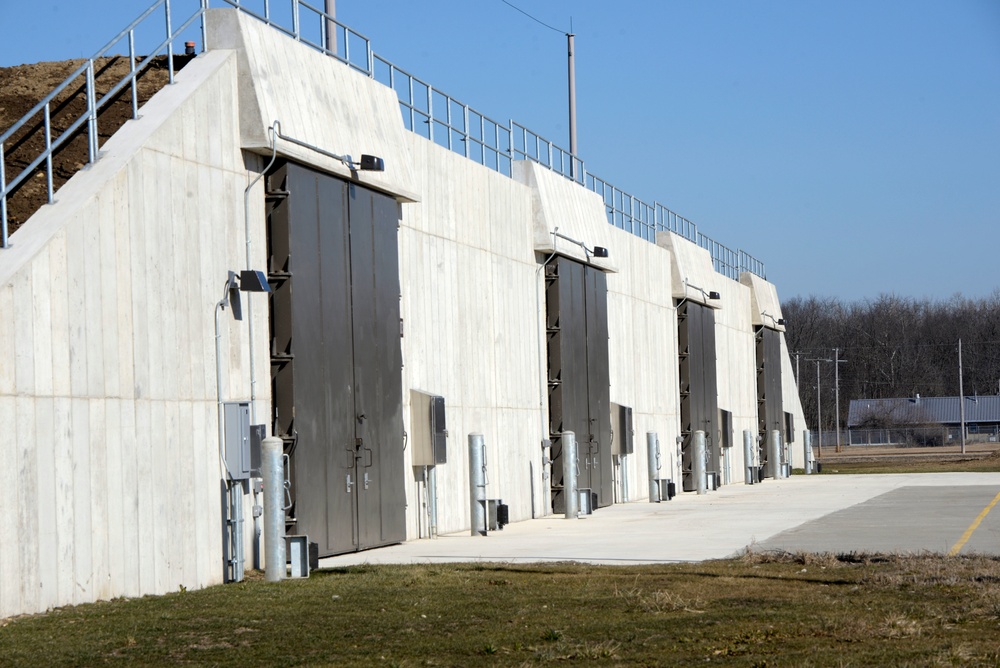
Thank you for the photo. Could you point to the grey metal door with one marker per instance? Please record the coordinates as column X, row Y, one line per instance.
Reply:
column 698, row 387
column 578, row 372
column 336, row 361
column 770, row 408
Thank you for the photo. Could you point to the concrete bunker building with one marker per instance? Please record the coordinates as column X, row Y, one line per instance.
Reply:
column 440, row 297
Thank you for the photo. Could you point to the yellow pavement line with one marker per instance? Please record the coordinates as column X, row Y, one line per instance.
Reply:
column 972, row 527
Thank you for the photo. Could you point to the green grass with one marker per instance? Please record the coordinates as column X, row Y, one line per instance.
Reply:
column 912, row 465
column 762, row 609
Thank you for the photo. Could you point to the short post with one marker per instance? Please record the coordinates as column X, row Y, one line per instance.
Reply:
column 477, row 484
column 273, row 474
column 653, row 465
column 748, row 457
column 774, row 454
column 571, row 493
column 698, row 465
column 808, row 451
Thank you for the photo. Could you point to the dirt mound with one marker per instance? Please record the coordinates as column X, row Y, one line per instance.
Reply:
column 22, row 87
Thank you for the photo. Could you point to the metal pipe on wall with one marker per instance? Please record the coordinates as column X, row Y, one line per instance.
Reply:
column 477, row 484
column 272, row 471
column 698, row 465
column 571, row 492
column 653, row 465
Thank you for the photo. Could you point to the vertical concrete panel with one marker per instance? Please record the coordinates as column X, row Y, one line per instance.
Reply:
column 85, row 533
column 76, row 272
column 57, row 475
column 144, row 547
column 28, row 519
column 131, row 555
column 183, row 497
column 10, row 555
column 8, row 366
column 42, row 501
column 90, row 297
column 157, row 486
column 41, row 314
column 60, row 323
column 170, row 519
column 139, row 277
column 114, row 577
column 108, row 273
column 99, row 511
column 123, row 286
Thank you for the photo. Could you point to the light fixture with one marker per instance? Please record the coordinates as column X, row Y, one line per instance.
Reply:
column 600, row 251
column 714, row 295
column 372, row 163
column 249, row 281
column 781, row 321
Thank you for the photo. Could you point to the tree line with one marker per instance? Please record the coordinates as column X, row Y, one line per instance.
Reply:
column 893, row 347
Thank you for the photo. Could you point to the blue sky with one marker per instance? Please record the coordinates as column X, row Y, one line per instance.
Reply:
column 853, row 146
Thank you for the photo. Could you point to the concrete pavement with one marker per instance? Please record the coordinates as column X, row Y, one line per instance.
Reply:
column 841, row 513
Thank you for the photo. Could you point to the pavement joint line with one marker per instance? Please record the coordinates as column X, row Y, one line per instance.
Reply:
column 957, row 547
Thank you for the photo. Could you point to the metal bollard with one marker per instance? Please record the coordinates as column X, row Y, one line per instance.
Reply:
column 477, row 484
column 653, row 465
column 748, row 457
column 808, row 451
column 570, row 470
column 774, row 468
column 698, row 463
column 273, row 473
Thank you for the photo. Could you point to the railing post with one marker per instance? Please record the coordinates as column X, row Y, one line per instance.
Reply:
column 131, row 65
column 3, row 201
column 170, row 43
column 92, row 111
column 204, row 28
column 295, row 21
column 48, row 152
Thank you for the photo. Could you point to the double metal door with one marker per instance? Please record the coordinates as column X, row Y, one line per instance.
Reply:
column 346, row 362
column 579, row 378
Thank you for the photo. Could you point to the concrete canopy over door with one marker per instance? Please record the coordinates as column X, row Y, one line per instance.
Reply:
column 336, row 369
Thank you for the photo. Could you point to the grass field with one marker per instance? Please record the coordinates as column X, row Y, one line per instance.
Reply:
column 759, row 610
column 762, row 609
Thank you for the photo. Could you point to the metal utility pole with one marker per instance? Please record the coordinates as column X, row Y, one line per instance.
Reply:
column 961, row 395
column 819, row 407
column 836, row 389
column 572, row 104
column 331, row 28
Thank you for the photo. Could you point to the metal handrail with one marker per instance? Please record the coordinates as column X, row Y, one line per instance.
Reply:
column 89, row 116
column 426, row 111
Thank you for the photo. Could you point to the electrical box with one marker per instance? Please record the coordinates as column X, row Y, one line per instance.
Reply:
column 623, row 436
column 428, row 429
column 243, row 440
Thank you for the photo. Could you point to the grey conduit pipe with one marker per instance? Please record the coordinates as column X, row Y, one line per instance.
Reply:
column 272, row 471
column 571, row 492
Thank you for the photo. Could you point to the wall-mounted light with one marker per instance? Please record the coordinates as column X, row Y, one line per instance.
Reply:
column 780, row 322
column 600, row 251
column 714, row 295
column 369, row 163
column 249, row 281
column 708, row 294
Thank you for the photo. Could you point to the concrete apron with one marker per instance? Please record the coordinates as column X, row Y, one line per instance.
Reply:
column 842, row 513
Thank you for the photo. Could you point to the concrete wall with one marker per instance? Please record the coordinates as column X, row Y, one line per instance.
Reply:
column 110, row 484
column 107, row 358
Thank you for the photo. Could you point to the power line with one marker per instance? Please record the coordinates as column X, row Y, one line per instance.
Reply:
column 561, row 32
